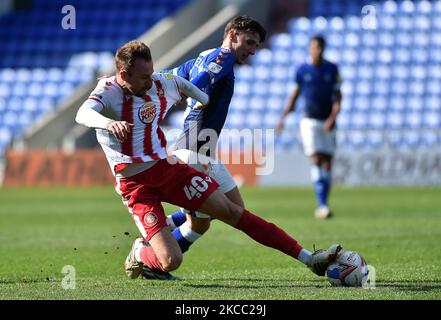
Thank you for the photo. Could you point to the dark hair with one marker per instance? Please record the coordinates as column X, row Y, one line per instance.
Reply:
column 247, row 24
column 320, row 39
column 126, row 55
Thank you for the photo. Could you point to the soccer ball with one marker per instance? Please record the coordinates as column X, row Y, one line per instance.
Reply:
column 349, row 270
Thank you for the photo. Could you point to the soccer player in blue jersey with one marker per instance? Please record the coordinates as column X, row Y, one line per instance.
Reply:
column 212, row 71
column 318, row 81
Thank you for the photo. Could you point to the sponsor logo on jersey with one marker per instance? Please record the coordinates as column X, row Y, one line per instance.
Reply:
column 150, row 219
column 168, row 76
column 147, row 112
column 219, row 61
column 214, row 67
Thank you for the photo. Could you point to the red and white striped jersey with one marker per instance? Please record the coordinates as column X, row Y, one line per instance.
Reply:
column 146, row 141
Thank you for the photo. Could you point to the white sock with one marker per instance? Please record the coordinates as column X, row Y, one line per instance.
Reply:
column 305, row 257
column 137, row 253
column 170, row 223
column 189, row 234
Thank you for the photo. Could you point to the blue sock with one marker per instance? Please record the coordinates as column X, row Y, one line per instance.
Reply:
column 321, row 185
column 326, row 177
column 179, row 218
column 185, row 236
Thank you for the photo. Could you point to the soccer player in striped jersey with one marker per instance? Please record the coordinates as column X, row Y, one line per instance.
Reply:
column 318, row 81
column 212, row 71
column 126, row 110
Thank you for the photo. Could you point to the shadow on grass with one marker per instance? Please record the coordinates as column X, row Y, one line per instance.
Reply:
column 18, row 281
column 256, row 283
column 409, row 285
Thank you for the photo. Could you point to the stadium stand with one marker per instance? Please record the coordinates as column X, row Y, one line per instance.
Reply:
column 41, row 63
column 391, row 74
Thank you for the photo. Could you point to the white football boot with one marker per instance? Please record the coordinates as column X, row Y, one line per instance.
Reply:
column 321, row 259
column 132, row 267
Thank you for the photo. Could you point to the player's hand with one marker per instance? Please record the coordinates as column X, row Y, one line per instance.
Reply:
column 199, row 106
column 120, row 129
column 280, row 127
column 329, row 124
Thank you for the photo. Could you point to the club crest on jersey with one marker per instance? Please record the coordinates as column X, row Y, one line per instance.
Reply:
column 150, row 219
column 147, row 113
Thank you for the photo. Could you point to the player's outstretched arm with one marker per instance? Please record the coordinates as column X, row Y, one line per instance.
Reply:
column 89, row 115
column 331, row 120
column 190, row 90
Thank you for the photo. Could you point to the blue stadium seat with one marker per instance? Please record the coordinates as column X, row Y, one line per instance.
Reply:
column 262, row 73
column 405, row 23
column 400, row 71
column 397, row 102
column 417, row 88
column 377, row 120
column 353, row 23
column 257, row 104
column 374, row 139
column 359, row 120
column 430, row 139
column 395, row 120
column 379, row 103
column 422, row 23
column 399, row 88
column 432, row 103
column 424, row 7
column 242, row 88
column 387, row 23
column 433, row 87
column 299, row 24
column 350, row 56
column 336, row 24
column 382, row 87
column 352, row 40
column 335, row 40
column 383, row 71
column 357, row 140
column 319, row 24
column 280, row 41
column 413, row 120
column 235, row 120
column 275, row 102
column 402, row 55
column 253, row 120
column 386, row 39
column 419, row 55
column 432, row 119
column 262, row 57
column 271, row 120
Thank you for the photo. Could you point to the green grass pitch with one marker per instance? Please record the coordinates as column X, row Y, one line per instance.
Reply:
column 397, row 230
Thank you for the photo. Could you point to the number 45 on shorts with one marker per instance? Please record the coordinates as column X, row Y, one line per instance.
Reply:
column 197, row 186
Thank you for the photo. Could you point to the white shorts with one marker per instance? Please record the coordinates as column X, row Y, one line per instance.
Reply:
column 214, row 169
column 315, row 139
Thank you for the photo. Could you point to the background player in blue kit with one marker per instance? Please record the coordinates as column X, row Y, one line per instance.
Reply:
column 212, row 71
column 318, row 82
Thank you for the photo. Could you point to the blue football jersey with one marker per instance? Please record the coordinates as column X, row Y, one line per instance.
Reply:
column 212, row 71
column 318, row 86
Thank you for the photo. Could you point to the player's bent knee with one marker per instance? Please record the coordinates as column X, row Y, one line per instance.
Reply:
column 201, row 225
column 172, row 262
